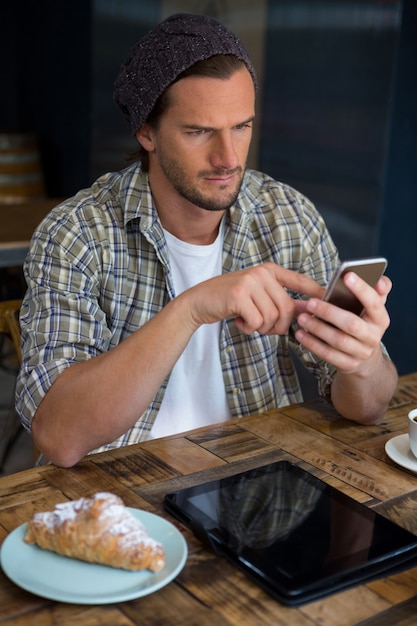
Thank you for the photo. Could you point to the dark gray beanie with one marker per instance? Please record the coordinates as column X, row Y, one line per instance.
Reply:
column 163, row 54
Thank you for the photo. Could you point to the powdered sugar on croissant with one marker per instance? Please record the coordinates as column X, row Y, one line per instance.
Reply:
column 99, row 530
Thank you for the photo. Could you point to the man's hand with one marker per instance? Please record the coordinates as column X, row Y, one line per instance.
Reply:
column 365, row 379
column 341, row 338
column 257, row 298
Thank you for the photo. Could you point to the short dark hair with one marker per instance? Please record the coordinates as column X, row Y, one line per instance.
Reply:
column 220, row 66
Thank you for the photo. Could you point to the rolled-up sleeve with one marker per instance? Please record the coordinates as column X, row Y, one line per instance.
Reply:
column 61, row 319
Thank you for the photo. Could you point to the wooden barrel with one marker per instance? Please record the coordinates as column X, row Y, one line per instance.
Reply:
column 21, row 176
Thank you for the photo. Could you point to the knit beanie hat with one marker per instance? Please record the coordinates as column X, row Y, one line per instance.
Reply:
column 163, row 54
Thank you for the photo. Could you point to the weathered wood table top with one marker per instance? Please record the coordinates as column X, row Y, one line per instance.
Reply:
column 209, row 590
column 17, row 223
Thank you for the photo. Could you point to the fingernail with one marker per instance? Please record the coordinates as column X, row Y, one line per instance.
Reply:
column 302, row 319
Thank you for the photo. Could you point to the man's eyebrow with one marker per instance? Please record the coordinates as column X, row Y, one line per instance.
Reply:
column 202, row 127
column 248, row 121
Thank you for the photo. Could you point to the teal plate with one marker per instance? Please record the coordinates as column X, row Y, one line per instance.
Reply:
column 57, row 577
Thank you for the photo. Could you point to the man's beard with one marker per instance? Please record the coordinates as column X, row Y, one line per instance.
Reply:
column 184, row 188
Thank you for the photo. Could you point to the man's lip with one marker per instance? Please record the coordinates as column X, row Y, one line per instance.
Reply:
column 221, row 179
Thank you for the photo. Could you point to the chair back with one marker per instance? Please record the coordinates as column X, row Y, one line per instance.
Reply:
column 9, row 323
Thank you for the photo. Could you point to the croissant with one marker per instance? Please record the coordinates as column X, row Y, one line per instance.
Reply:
column 99, row 530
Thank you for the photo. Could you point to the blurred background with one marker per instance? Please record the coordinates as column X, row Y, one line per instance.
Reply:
column 336, row 110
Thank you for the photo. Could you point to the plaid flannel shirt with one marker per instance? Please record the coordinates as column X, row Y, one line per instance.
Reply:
column 98, row 269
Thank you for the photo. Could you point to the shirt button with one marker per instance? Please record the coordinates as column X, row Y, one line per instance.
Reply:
column 229, row 349
column 236, row 391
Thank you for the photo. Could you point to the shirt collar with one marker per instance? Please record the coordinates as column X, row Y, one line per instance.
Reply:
column 137, row 198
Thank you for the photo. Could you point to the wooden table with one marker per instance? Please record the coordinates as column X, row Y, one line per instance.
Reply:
column 17, row 223
column 209, row 590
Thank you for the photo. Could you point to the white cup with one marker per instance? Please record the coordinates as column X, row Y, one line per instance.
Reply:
column 412, row 431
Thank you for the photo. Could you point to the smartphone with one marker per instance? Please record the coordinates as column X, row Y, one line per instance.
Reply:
column 370, row 270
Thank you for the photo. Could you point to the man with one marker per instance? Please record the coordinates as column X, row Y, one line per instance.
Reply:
column 167, row 295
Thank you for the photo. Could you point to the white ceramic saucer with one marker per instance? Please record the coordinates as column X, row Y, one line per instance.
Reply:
column 398, row 450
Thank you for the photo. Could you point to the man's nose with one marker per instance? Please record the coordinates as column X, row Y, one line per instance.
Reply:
column 224, row 153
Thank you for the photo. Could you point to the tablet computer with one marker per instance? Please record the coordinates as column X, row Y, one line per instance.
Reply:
column 298, row 537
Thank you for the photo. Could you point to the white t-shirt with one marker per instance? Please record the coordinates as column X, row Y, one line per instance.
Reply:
column 195, row 395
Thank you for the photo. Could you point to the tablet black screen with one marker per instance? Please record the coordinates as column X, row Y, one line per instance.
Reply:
column 298, row 536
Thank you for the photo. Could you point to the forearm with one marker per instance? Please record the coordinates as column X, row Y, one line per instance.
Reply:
column 364, row 397
column 94, row 402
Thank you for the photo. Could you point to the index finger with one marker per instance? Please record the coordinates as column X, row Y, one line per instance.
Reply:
column 300, row 283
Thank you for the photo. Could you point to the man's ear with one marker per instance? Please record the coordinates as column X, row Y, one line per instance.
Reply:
column 145, row 137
